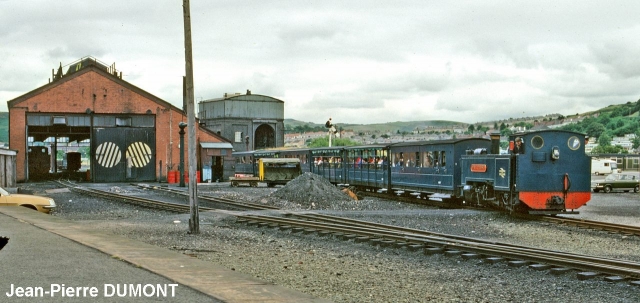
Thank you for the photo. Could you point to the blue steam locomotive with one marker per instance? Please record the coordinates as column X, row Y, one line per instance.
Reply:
column 545, row 172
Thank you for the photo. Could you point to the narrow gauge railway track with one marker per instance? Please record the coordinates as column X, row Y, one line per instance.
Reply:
column 611, row 227
column 229, row 202
column 430, row 243
column 412, row 198
column 596, row 225
column 149, row 203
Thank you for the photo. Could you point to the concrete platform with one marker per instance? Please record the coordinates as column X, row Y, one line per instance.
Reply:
column 49, row 259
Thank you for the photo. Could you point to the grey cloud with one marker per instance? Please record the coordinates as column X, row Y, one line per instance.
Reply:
column 618, row 59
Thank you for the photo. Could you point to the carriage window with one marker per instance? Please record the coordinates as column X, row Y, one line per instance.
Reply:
column 398, row 159
column 418, row 160
column 410, row 160
column 428, row 159
column 436, row 158
column 444, row 158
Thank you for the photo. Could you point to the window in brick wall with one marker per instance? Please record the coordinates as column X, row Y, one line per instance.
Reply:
column 59, row 120
column 123, row 121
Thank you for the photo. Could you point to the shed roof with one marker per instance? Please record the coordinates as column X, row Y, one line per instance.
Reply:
column 217, row 145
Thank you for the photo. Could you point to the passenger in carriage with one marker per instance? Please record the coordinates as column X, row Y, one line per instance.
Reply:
column 385, row 162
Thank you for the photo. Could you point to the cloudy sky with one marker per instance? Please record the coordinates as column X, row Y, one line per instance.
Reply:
column 356, row 61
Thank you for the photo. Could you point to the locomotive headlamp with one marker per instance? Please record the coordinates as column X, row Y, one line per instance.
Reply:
column 555, row 153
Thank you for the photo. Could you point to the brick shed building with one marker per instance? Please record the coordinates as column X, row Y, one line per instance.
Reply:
column 105, row 129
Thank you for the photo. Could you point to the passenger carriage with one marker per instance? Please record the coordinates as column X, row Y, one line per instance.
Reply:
column 430, row 166
column 367, row 166
column 328, row 162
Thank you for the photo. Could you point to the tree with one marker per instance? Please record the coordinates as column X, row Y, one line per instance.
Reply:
column 85, row 151
column 595, row 130
column 59, row 154
column 324, row 142
column 609, row 149
column 506, row 132
column 604, row 140
column 471, row 128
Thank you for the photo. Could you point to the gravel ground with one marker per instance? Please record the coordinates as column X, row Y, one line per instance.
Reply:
column 358, row 272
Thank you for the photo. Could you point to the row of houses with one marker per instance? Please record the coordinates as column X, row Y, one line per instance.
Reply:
column 625, row 142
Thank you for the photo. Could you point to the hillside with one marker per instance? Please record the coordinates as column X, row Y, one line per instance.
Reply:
column 401, row 126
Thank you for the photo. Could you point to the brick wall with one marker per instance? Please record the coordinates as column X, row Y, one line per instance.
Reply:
column 94, row 90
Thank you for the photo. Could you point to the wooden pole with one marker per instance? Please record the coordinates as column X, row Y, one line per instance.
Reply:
column 194, row 220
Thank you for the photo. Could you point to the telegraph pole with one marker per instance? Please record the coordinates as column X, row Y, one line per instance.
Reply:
column 194, row 220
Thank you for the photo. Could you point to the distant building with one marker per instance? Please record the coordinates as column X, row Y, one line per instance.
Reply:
column 249, row 121
column 625, row 142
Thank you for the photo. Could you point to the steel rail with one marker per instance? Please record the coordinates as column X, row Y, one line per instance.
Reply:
column 315, row 222
column 562, row 259
column 354, row 222
column 247, row 205
column 150, row 203
column 613, row 227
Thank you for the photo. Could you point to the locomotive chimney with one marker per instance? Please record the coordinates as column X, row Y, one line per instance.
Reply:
column 495, row 142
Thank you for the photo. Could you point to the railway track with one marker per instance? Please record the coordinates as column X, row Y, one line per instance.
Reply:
column 144, row 202
column 468, row 248
column 399, row 237
column 628, row 230
column 596, row 225
column 228, row 202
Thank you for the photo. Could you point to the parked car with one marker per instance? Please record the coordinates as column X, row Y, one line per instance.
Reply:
column 624, row 182
column 41, row 204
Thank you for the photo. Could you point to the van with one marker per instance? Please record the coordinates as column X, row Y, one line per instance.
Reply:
column 603, row 166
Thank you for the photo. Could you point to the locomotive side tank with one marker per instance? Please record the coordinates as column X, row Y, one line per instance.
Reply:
column 548, row 172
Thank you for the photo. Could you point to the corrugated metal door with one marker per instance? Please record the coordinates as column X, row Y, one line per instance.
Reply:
column 123, row 154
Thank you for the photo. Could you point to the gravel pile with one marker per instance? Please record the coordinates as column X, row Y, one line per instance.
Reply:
column 312, row 192
column 344, row 271
column 308, row 191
